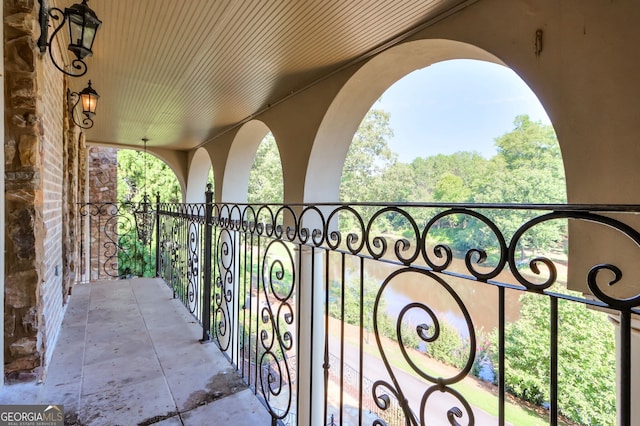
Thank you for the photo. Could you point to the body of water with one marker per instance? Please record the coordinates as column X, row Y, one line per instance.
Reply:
column 480, row 299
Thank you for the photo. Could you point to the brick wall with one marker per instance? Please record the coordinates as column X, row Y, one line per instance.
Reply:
column 52, row 115
column 74, row 142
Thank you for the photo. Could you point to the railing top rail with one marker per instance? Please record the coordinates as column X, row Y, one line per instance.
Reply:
column 612, row 208
column 489, row 243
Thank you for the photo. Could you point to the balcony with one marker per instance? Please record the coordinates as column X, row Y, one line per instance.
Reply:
column 128, row 353
column 333, row 314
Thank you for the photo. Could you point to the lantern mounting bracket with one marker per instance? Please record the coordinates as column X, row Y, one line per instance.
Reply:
column 83, row 24
column 88, row 99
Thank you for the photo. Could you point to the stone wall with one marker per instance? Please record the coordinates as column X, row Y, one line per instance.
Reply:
column 103, row 188
column 103, row 174
column 24, row 230
column 37, row 157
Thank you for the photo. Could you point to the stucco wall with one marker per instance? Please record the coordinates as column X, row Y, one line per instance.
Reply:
column 584, row 73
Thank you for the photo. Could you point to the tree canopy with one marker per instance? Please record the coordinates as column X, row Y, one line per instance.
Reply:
column 159, row 178
column 368, row 160
column 265, row 179
column 527, row 168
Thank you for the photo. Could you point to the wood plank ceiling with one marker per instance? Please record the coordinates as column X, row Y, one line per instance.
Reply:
column 180, row 72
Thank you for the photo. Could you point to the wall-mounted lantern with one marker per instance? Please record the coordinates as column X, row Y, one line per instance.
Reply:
column 88, row 99
column 83, row 25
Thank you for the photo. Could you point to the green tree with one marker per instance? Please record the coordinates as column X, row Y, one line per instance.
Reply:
column 468, row 166
column 451, row 188
column 531, row 144
column 527, row 169
column 368, row 158
column 159, row 178
column 140, row 173
column 265, row 179
column 586, row 345
column 397, row 184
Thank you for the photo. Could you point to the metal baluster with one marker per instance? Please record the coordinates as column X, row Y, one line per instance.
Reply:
column 206, row 303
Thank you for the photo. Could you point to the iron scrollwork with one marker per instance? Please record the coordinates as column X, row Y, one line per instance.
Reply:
column 114, row 251
column 223, row 296
column 277, row 315
column 272, row 230
column 428, row 332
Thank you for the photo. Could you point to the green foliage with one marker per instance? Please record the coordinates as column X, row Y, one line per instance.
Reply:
column 530, row 144
column 265, row 179
column 527, row 169
column 451, row 188
column 134, row 258
column 368, row 159
column 159, row 178
column 352, row 302
column 140, row 173
column 433, row 173
column 449, row 347
column 396, row 183
column 586, row 345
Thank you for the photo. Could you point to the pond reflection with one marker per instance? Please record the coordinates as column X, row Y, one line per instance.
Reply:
column 479, row 298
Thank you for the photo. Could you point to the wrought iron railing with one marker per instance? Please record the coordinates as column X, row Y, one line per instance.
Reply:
column 180, row 244
column 110, row 243
column 404, row 314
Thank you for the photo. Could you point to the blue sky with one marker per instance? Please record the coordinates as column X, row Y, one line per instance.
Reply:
column 460, row 105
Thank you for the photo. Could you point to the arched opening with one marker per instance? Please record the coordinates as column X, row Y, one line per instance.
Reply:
column 265, row 179
column 240, row 161
column 200, row 174
column 462, row 131
column 525, row 167
column 358, row 95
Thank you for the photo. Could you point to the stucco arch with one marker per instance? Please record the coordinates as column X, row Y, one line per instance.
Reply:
column 240, row 160
column 197, row 177
column 331, row 144
column 175, row 160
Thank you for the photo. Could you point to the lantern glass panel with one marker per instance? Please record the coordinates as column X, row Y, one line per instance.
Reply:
column 89, row 103
column 76, row 25
column 89, row 35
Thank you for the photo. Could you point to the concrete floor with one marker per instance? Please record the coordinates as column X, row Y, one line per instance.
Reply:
column 128, row 354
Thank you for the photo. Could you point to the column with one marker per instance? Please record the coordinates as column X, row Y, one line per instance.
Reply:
column 311, row 321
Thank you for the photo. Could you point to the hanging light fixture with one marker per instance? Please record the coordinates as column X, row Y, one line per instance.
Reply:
column 143, row 213
column 83, row 25
column 88, row 99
